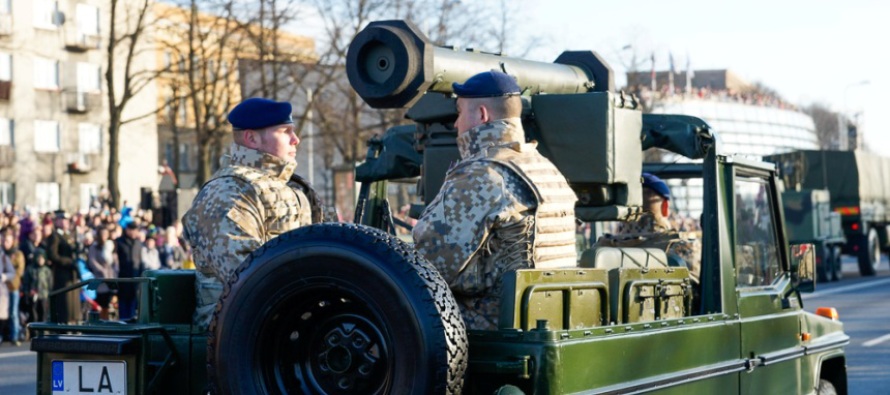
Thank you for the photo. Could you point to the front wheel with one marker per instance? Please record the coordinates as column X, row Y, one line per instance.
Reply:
column 869, row 253
column 337, row 309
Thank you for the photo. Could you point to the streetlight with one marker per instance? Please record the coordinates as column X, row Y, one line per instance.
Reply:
column 847, row 89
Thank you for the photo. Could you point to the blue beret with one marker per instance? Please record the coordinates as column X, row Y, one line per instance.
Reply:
column 258, row 113
column 487, row 84
column 656, row 185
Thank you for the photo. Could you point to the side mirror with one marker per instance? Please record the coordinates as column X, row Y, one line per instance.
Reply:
column 803, row 267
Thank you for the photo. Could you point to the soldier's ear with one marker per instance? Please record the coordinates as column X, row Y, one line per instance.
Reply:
column 484, row 114
column 251, row 138
column 665, row 207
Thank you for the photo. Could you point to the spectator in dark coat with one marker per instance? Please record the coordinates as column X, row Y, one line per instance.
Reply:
column 129, row 262
column 60, row 251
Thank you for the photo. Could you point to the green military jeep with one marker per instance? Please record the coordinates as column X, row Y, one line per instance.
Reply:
column 350, row 309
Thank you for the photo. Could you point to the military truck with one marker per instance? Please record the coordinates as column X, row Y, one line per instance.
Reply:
column 860, row 192
column 350, row 309
column 809, row 219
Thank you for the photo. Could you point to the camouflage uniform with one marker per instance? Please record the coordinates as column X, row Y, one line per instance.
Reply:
column 684, row 245
column 502, row 207
column 251, row 199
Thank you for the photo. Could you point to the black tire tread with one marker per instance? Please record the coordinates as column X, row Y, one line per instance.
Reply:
column 392, row 249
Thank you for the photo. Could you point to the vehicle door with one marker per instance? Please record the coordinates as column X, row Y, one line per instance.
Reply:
column 770, row 328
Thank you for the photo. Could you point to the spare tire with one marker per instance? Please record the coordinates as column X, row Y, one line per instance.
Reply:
column 337, row 309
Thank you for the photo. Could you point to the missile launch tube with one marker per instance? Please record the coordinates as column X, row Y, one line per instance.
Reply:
column 391, row 64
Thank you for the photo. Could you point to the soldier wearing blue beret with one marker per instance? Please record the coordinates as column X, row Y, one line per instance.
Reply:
column 502, row 207
column 683, row 248
column 253, row 197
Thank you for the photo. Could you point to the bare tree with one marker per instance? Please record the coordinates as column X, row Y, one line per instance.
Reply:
column 827, row 125
column 127, row 26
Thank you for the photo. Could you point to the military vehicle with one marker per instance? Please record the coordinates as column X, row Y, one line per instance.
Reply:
column 350, row 309
column 809, row 219
column 860, row 192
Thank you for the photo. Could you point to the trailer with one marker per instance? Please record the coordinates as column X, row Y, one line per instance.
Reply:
column 809, row 219
column 859, row 185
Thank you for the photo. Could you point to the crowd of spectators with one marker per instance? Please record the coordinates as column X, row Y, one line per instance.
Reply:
column 106, row 243
column 751, row 97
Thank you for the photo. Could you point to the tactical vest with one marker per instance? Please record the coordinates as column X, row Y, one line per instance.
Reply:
column 283, row 207
column 553, row 244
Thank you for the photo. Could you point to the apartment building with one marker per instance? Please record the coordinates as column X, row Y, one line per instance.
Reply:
column 220, row 45
column 54, row 110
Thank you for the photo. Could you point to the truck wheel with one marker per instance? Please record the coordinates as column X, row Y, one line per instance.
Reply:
column 823, row 269
column 337, row 309
column 825, row 388
column 837, row 261
column 869, row 254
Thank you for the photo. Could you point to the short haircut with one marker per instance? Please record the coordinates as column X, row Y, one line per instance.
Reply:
column 502, row 106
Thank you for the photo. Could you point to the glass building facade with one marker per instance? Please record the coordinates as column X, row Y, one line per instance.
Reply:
column 743, row 130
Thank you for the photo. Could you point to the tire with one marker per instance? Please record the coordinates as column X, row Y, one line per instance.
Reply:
column 869, row 254
column 823, row 269
column 837, row 260
column 825, row 388
column 337, row 309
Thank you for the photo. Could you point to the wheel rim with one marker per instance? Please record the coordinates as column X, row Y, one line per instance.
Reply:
column 875, row 252
column 324, row 341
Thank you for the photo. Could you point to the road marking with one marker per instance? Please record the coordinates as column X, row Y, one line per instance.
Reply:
column 847, row 288
column 874, row 342
column 17, row 354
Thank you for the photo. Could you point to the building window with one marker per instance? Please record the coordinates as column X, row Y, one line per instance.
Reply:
column 5, row 66
column 7, row 135
column 88, row 194
column 87, row 19
column 88, row 77
column 46, row 73
column 168, row 154
column 45, row 12
column 7, row 192
column 182, row 112
column 188, row 158
column 90, row 138
column 47, row 196
column 47, row 136
column 5, row 7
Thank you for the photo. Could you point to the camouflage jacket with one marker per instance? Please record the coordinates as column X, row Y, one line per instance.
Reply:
column 248, row 201
column 485, row 220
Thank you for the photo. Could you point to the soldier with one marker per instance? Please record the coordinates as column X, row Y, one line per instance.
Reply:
column 502, row 207
column 656, row 203
column 253, row 197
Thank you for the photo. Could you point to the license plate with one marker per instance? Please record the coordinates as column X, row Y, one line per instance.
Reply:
column 93, row 377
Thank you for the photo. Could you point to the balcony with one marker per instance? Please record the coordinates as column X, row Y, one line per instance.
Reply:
column 81, row 163
column 7, row 156
column 5, row 25
column 78, row 41
column 81, row 102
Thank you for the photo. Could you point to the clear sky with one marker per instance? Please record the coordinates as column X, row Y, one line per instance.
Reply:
column 809, row 51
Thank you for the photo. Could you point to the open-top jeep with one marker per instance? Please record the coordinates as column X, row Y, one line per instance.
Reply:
column 350, row 309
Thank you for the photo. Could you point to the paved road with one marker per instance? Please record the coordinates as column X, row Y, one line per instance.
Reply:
column 863, row 304
column 18, row 368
